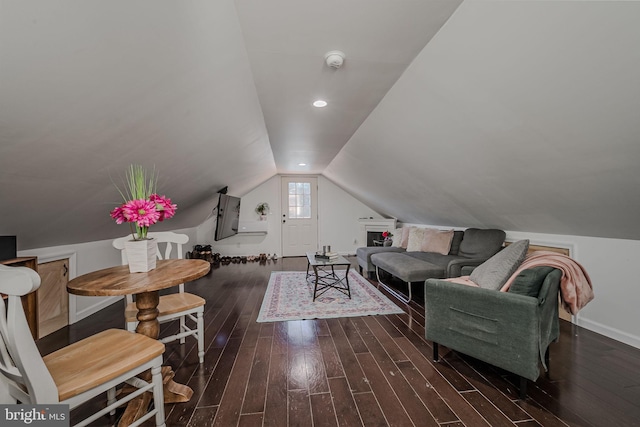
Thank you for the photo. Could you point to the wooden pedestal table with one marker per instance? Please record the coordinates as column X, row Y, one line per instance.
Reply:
column 146, row 286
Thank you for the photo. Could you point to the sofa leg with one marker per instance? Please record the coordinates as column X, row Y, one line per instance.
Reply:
column 436, row 356
column 523, row 388
column 546, row 358
column 360, row 267
column 392, row 291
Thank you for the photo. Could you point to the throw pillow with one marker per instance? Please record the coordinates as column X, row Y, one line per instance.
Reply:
column 438, row 241
column 416, row 236
column 401, row 237
column 494, row 272
column 397, row 238
column 528, row 282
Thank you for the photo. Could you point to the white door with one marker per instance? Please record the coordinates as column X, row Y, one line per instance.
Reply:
column 299, row 215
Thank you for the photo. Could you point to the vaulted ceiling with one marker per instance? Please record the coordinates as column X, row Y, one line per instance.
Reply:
column 521, row 115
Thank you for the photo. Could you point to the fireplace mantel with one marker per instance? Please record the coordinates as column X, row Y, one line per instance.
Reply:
column 377, row 224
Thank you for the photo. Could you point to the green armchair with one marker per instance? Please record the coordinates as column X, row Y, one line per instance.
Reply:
column 509, row 330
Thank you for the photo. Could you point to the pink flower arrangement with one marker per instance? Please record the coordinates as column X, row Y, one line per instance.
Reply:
column 142, row 207
column 387, row 235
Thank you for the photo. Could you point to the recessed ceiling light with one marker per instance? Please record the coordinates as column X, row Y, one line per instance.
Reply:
column 319, row 103
column 302, row 164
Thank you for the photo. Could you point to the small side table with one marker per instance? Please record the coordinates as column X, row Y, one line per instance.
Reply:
column 325, row 279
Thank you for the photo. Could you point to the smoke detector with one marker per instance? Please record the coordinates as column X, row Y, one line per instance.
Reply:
column 334, row 59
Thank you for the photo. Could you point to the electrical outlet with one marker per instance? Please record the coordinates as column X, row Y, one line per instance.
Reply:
column 355, row 241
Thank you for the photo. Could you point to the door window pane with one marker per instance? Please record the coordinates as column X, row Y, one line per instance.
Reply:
column 300, row 200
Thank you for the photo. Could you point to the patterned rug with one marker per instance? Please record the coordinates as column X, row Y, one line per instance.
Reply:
column 289, row 296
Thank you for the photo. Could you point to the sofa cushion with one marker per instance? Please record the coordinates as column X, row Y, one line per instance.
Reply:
column 366, row 252
column 438, row 241
column 528, row 282
column 416, row 236
column 494, row 272
column 433, row 258
column 455, row 242
column 483, row 244
column 407, row 268
column 364, row 255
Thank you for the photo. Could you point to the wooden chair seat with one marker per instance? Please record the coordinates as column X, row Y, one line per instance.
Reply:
column 97, row 359
column 169, row 304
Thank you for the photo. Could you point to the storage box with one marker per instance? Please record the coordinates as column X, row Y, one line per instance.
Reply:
column 8, row 247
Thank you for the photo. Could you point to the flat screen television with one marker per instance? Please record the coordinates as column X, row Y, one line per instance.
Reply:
column 228, row 216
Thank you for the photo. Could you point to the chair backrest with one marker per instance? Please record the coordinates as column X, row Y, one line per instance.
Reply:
column 21, row 364
column 166, row 240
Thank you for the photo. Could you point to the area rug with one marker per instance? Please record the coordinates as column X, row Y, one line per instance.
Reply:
column 289, row 296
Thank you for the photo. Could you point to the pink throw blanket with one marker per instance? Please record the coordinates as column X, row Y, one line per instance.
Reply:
column 575, row 285
column 576, row 289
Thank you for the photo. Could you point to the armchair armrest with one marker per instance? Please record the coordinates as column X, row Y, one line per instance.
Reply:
column 467, row 270
column 454, row 268
column 499, row 328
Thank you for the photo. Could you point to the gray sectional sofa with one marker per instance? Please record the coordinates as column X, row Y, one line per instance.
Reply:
column 469, row 248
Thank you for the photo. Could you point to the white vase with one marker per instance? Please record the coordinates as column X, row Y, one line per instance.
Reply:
column 141, row 255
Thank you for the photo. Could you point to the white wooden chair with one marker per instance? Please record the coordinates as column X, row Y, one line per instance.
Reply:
column 78, row 372
column 181, row 305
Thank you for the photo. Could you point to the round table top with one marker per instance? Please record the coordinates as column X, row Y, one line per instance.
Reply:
column 119, row 281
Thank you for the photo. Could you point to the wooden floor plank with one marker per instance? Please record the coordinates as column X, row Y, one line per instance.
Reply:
column 499, row 400
column 299, row 408
column 344, row 403
column 370, row 410
column 250, row 420
column 231, row 404
column 256, row 391
column 276, row 404
column 332, row 365
column 408, row 397
column 390, row 404
column 489, row 412
column 352, row 368
column 430, row 398
column 322, row 410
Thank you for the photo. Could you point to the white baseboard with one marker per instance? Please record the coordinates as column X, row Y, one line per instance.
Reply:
column 607, row 331
column 104, row 302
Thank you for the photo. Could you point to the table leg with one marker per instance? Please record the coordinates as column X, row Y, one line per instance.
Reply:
column 346, row 279
column 148, row 325
column 330, row 279
column 147, row 305
column 315, row 288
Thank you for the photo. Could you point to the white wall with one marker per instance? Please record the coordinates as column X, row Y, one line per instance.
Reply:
column 241, row 244
column 85, row 258
column 338, row 214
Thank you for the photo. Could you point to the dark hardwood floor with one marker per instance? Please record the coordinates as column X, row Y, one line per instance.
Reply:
column 371, row 371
